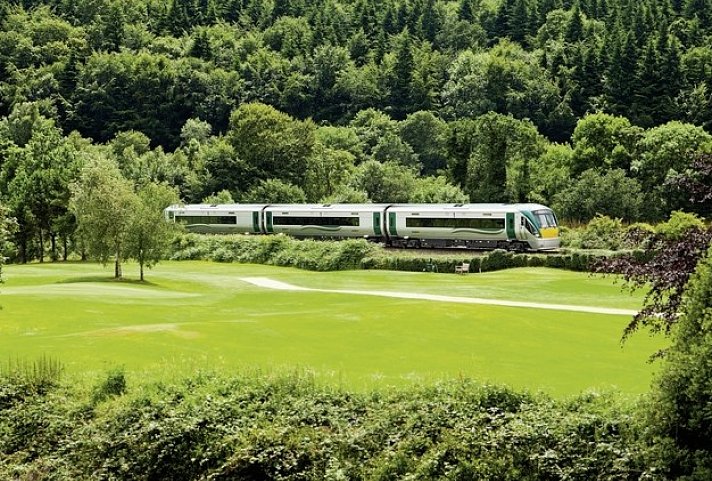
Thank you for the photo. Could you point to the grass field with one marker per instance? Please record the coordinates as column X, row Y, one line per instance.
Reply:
column 200, row 315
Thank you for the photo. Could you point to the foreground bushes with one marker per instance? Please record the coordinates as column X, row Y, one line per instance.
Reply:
column 359, row 254
column 288, row 428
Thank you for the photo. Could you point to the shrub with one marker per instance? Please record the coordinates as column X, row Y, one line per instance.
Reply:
column 679, row 224
column 113, row 385
column 603, row 232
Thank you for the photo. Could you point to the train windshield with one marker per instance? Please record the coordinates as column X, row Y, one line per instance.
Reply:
column 545, row 218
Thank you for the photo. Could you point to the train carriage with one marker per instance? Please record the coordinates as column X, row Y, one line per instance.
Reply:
column 218, row 218
column 325, row 220
column 479, row 226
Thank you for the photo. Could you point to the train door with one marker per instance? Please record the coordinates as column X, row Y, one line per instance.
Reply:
column 511, row 233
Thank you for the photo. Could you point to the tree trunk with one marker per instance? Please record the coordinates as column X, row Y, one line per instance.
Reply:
column 141, row 269
column 41, row 247
column 117, row 267
column 53, row 240
column 65, row 246
column 23, row 250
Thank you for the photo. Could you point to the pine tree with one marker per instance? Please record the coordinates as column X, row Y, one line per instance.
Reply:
column 574, row 29
column 658, row 80
column 403, row 76
column 619, row 77
column 519, row 21
column 429, row 21
column 468, row 10
column 201, row 46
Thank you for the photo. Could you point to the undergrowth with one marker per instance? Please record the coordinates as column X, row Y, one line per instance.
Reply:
column 287, row 427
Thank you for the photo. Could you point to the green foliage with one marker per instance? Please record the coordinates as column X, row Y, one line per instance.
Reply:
column 275, row 191
column 358, row 254
column 389, row 182
column 104, row 204
column 272, row 144
column 149, row 233
column 222, row 197
column 680, row 408
column 113, row 385
column 501, row 151
column 679, row 224
column 603, row 141
column 276, row 250
column 286, row 427
column 6, row 226
column 603, row 232
column 612, row 194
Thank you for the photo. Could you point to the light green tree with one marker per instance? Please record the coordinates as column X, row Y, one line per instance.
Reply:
column 550, row 174
column 275, row 191
column 149, row 234
column 104, row 204
column 387, row 182
column 6, row 226
column 665, row 151
column 436, row 190
column 603, row 141
column 327, row 170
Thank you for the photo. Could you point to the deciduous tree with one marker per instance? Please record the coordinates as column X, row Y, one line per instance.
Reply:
column 149, row 234
column 104, row 204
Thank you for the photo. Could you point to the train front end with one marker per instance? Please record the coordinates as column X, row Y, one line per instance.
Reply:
column 541, row 226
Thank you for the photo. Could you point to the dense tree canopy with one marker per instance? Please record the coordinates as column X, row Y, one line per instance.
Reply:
column 592, row 107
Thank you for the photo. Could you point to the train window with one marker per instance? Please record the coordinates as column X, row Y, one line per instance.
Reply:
column 204, row 219
column 532, row 230
column 459, row 223
column 545, row 218
column 325, row 221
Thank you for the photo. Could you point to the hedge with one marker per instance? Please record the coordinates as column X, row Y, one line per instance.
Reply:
column 320, row 255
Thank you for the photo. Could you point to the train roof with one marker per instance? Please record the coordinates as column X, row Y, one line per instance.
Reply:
column 499, row 208
column 329, row 207
column 214, row 208
column 225, row 208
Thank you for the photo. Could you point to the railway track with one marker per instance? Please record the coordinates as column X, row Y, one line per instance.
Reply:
column 449, row 251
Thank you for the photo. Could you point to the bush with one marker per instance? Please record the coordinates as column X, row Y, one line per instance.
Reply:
column 113, row 385
column 678, row 224
column 288, row 428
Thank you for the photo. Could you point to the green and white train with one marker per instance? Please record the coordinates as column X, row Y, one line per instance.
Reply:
column 477, row 226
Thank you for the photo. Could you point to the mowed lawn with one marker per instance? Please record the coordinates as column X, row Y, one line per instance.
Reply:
column 201, row 315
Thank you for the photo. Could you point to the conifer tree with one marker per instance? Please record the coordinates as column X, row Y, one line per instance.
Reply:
column 574, row 29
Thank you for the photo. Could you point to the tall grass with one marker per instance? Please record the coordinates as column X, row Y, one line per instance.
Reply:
column 37, row 375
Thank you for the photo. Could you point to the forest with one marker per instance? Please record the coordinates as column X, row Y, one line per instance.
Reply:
column 589, row 106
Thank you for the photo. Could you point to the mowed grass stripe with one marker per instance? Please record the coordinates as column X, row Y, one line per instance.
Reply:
column 200, row 315
column 283, row 286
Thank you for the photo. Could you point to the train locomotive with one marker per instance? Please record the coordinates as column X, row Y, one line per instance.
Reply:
column 518, row 227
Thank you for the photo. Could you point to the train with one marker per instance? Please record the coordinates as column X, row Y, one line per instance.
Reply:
column 516, row 227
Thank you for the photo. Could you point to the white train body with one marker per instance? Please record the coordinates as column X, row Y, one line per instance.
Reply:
column 479, row 226
column 324, row 220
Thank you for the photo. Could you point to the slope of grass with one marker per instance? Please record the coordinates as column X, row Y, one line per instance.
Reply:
column 201, row 315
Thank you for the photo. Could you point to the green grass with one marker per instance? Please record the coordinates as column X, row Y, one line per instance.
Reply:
column 200, row 315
